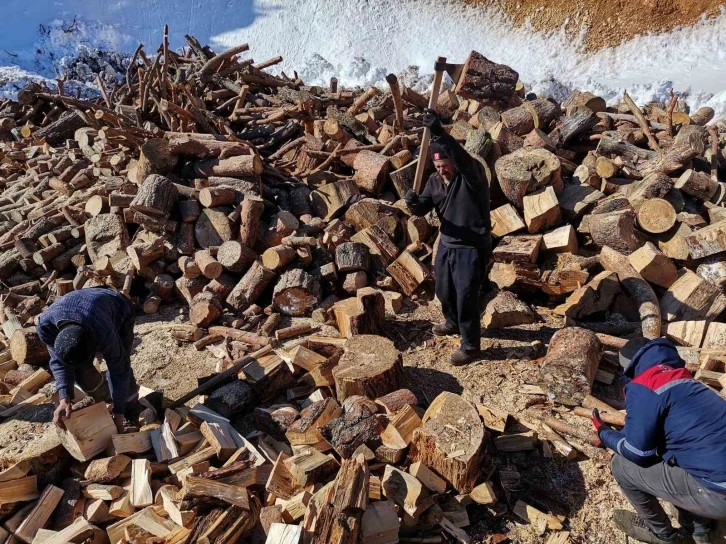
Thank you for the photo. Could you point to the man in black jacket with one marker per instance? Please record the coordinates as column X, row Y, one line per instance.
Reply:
column 459, row 193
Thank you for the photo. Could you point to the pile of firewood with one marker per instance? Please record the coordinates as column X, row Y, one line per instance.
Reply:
column 253, row 198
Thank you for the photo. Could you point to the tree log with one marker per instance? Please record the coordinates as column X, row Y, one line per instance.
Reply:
column 205, row 309
column 568, row 370
column 252, row 208
column 26, row 347
column 208, row 265
column 156, row 196
column 521, row 121
column 213, row 228
column 482, row 79
column 371, row 366
column 525, row 171
column 452, row 441
column 235, row 257
column 371, row 171
column 697, row 185
column 639, row 289
column 297, row 293
column 250, row 287
column 656, row 216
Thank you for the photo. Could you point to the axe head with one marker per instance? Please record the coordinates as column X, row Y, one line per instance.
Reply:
column 454, row 70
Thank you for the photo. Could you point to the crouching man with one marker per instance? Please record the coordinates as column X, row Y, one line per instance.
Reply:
column 673, row 446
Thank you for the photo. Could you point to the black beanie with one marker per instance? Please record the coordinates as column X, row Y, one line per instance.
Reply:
column 438, row 152
column 74, row 346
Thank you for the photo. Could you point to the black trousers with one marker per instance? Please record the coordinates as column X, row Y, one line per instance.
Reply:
column 459, row 276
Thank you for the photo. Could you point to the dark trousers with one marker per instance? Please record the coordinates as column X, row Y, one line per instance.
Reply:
column 643, row 486
column 98, row 386
column 459, row 275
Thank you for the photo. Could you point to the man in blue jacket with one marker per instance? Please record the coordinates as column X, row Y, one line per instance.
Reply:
column 673, row 446
column 459, row 192
column 77, row 326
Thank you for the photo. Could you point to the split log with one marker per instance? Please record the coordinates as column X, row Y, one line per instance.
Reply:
column 331, row 199
column 408, row 272
column 560, row 240
column 406, row 491
column 143, row 254
column 639, row 289
column 454, row 455
column 506, row 220
column 653, row 265
column 87, row 432
column 596, row 296
column 506, row 310
column 358, row 425
column 371, row 366
column 297, row 293
column 363, row 314
column 541, row 210
column 691, row 298
column 525, row 171
column 352, row 256
column 568, row 370
column 707, row 241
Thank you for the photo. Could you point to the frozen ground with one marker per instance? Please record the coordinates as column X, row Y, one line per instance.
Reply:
column 358, row 41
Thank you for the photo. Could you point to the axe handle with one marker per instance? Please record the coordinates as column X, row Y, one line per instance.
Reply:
column 423, row 154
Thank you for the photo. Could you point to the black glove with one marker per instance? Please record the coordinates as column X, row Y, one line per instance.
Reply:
column 432, row 121
column 411, row 198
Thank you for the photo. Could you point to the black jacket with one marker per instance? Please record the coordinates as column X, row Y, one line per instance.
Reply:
column 463, row 205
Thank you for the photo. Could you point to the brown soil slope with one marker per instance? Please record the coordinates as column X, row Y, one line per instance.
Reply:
column 609, row 22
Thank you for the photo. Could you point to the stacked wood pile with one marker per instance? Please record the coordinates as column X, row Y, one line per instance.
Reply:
column 252, row 197
column 340, row 453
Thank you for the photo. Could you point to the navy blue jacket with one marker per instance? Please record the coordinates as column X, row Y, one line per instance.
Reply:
column 102, row 313
column 463, row 205
column 671, row 417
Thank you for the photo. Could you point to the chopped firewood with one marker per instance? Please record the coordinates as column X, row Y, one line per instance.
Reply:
column 456, row 456
column 87, row 432
column 484, row 494
column 506, row 310
column 406, row 491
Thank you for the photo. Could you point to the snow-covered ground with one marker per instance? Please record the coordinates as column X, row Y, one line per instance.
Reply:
column 358, row 41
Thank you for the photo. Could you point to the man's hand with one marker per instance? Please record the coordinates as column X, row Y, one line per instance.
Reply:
column 118, row 419
column 411, row 198
column 432, row 121
column 64, row 410
column 599, row 424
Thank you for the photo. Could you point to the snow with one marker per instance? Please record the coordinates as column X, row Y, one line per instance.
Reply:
column 357, row 41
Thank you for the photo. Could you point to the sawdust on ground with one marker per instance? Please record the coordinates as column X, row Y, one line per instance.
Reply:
column 608, row 22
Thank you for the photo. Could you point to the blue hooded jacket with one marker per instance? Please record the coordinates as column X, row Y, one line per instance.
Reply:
column 671, row 417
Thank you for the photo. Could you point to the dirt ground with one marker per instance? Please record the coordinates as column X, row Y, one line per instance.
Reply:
column 583, row 490
column 608, row 22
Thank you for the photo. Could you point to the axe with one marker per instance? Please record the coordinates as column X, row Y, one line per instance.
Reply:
column 454, row 71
